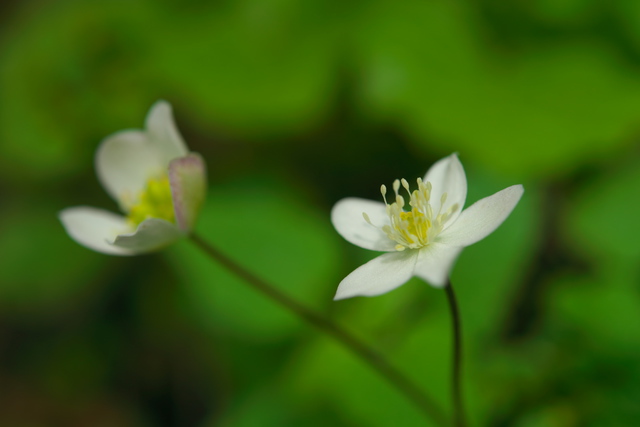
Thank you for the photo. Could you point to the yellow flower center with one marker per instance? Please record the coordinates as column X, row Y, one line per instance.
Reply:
column 418, row 227
column 154, row 201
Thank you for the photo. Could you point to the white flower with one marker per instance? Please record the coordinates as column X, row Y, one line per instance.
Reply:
column 423, row 241
column 157, row 182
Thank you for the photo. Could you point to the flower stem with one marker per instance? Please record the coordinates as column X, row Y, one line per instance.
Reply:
column 412, row 392
column 456, row 387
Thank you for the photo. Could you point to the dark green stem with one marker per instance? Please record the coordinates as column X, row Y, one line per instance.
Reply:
column 456, row 387
column 425, row 403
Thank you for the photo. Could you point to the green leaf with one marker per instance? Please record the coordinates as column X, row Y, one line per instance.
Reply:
column 51, row 121
column 43, row 269
column 603, row 219
column 534, row 112
column 254, row 68
column 272, row 233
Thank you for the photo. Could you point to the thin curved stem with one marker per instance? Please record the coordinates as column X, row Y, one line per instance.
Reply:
column 456, row 387
column 425, row 403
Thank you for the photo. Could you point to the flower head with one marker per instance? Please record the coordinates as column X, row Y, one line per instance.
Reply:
column 422, row 234
column 156, row 181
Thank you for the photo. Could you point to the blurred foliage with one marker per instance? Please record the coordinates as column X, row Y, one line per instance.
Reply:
column 252, row 219
column 296, row 104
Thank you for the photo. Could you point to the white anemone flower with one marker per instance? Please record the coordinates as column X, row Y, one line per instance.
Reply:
column 424, row 240
column 156, row 181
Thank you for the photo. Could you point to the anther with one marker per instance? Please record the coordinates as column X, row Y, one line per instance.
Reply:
column 366, row 217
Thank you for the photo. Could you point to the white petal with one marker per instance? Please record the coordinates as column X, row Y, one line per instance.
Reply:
column 188, row 178
column 347, row 218
column 152, row 234
column 447, row 176
column 95, row 228
column 126, row 160
column 378, row 276
column 435, row 262
column 163, row 132
column 482, row 218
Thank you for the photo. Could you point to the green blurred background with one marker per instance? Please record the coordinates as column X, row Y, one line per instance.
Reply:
column 294, row 105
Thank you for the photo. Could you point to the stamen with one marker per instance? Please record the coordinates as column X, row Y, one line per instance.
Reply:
column 155, row 201
column 417, row 227
column 383, row 190
column 405, row 184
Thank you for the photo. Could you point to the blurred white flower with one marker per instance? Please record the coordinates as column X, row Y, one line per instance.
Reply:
column 423, row 241
column 157, row 182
